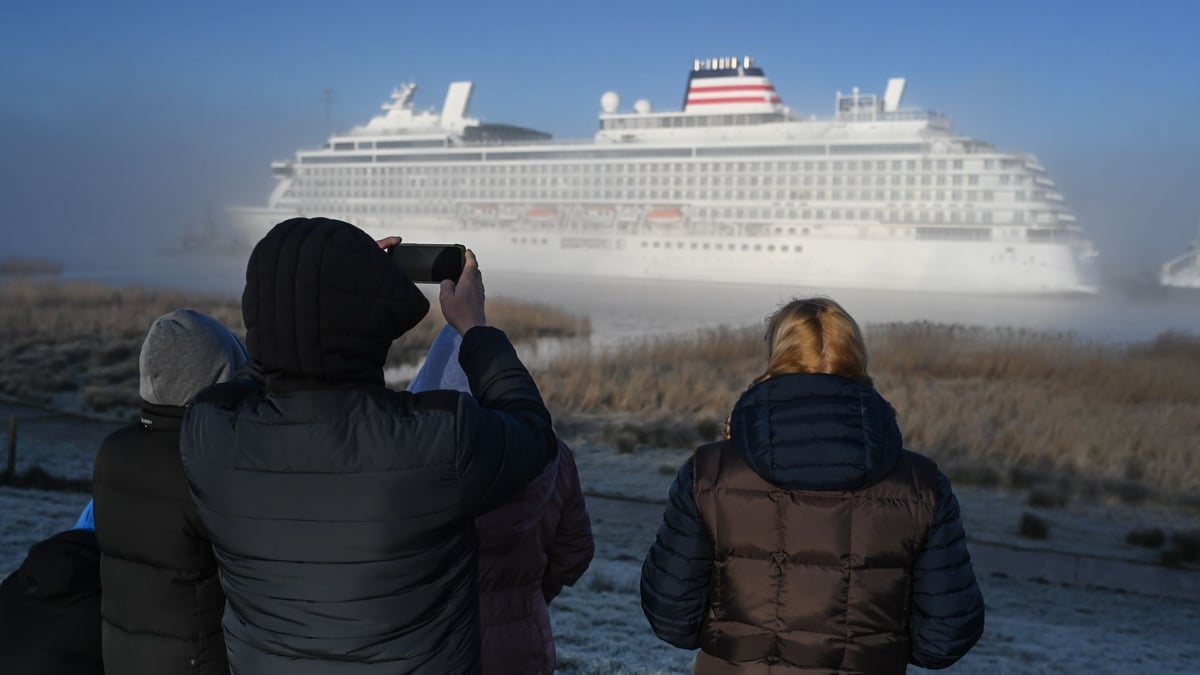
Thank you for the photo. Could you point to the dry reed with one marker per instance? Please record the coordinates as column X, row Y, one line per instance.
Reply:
column 75, row 344
column 971, row 397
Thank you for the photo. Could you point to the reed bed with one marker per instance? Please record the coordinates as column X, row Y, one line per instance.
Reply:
column 75, row 344
column 1012, row 400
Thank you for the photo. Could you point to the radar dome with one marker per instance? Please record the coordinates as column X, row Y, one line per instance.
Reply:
column 610, row 101
column 642, row 107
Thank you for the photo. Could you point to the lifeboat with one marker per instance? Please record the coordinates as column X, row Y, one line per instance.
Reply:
column 541, row 213
column 664, row 216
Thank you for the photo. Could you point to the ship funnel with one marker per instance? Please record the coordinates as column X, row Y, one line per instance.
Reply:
column 893, row 94
column 458, row 102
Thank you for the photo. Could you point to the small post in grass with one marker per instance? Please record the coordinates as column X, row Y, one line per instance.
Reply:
column 11, row 472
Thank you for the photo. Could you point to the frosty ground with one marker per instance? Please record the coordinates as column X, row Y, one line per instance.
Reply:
column 1032, row 627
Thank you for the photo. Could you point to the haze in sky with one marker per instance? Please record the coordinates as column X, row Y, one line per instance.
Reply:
column 122, row 123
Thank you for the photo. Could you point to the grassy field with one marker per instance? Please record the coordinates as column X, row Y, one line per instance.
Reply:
column 74, row 345
column 992, row 406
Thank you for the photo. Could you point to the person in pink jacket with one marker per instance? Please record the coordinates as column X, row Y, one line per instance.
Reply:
column 530, row 547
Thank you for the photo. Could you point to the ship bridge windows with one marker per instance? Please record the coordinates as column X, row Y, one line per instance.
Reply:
column 427, row 143
column 331, row 159
column 877, row 148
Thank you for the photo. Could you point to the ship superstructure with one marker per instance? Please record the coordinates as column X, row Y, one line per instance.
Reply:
column 1183, row 271
column 733, row 187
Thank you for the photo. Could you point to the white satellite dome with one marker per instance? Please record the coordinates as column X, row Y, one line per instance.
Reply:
column 642, row 107
column 610, row 101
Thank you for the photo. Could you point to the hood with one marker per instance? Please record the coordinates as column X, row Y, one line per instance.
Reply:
column 66, row 565
column 323, row 302
column 816, row 432
column 184, row 352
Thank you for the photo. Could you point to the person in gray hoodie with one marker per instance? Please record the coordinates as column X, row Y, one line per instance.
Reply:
column 161, row 603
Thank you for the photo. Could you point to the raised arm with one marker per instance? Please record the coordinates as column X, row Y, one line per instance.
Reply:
column 504, row 435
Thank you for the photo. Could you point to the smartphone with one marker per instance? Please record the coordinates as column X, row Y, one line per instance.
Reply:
column 430, row 263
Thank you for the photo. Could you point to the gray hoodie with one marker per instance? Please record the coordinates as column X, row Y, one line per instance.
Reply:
column 184, row 352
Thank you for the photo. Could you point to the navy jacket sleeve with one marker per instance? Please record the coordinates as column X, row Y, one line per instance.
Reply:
column 676, row 572
column 506, row 439
column 571, row 552
column 947, row 617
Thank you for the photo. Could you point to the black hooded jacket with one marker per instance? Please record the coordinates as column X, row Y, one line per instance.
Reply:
column 50, row 609
column 162, row 600
column 341, row 512
column 811, row 441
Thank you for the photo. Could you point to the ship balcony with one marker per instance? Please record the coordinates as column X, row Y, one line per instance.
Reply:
column 1066, row 218
column 1055, row 197
column 1042, row 180
column 1034, row 165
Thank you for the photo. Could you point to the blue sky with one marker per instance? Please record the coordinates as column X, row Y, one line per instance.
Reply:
column 134, row 115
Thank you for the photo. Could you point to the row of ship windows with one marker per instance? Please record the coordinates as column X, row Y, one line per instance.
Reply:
column 954, row 196
column 770, row 248
column 740, row 214
column 822, row 166
column 728, row 180
column 695, row 246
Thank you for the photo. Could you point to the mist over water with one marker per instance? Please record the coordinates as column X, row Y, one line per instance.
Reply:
column 624, row 309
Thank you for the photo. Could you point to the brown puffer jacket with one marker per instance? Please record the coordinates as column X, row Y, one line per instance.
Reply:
column 811, row 542
column 805, row 577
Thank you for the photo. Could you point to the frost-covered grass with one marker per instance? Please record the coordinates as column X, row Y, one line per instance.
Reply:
column 1084, row 525
column 1032, row 627
column 28, row 516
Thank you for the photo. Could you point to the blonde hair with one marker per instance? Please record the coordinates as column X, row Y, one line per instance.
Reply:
column 814, row 335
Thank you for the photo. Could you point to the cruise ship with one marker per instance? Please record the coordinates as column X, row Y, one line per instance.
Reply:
column 733, row 187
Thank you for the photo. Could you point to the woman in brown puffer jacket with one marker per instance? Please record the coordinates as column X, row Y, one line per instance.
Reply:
column 810, row 541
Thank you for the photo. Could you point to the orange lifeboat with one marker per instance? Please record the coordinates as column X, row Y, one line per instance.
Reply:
column 664, row 216
column 541, row 213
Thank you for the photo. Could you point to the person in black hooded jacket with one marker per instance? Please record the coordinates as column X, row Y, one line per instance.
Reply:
column 811, row 540
column 50, row 609
column 341, row 512
column 162, row 601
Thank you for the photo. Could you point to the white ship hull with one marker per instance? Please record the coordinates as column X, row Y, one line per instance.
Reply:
column 814, row 262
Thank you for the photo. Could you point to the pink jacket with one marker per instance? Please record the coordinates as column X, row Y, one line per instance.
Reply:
column 529, row 548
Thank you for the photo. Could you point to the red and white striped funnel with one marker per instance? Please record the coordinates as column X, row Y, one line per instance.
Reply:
column 730, row 85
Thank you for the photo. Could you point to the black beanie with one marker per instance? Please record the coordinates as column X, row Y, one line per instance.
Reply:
column 324, row 302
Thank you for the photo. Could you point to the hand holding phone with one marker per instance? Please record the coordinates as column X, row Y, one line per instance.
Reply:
column 430, row 263
column 462, row 301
